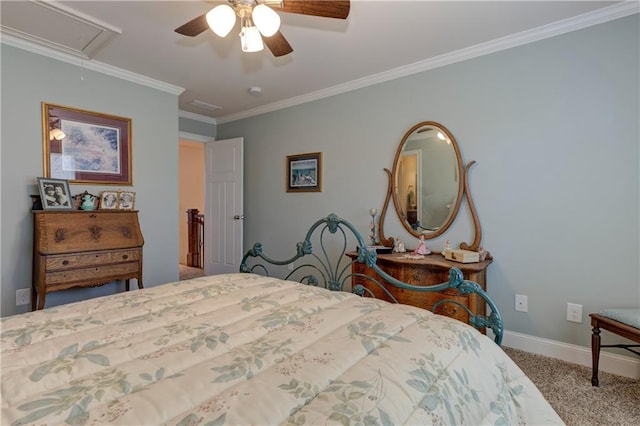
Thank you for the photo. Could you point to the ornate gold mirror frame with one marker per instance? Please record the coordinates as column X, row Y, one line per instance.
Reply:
column 461, row 174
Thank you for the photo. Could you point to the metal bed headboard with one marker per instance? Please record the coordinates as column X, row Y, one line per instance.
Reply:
column 330, row 267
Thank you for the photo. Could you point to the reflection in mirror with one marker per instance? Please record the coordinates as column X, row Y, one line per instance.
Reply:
column 427, row 179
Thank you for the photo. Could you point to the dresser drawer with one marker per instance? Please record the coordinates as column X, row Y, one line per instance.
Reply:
column 92, row 275
column 73, row 261
column 424, row 276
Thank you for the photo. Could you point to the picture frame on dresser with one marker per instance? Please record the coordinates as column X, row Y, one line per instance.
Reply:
column 126, row 200
column 85, row 146
column 109, row 200
column 304, row 172
column 54, row 194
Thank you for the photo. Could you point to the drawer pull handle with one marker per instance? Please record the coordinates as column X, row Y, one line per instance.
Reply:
column 125, row 257
column 60, row 235
column 93, row 215
column 126, row 232
column 65, row 262
column 95, row 232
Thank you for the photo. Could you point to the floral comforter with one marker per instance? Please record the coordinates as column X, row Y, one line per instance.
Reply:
column 242, row 349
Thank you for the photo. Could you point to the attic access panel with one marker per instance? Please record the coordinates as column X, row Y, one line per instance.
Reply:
column 56, row 26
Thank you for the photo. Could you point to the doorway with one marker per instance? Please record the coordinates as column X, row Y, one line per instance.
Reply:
column 211, row 181
column 191, row 169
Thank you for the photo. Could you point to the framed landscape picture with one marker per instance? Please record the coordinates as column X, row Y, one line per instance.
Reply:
column 86, row 147
column 304, row 172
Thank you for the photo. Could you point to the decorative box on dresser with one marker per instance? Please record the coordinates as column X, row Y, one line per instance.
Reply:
column 432, row 269
column 74, row 248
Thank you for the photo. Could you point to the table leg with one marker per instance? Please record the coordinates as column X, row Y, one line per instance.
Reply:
column 595, row 354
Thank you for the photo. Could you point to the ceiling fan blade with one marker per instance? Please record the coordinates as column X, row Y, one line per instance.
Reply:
column 277, row 44
column 194, row 26
column 338, row 9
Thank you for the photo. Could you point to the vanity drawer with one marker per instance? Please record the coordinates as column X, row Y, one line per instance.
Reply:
column 91, row 276
column 73, row 261
column 424, row 276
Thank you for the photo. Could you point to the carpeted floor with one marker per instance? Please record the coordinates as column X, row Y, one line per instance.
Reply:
column 187, row 272
column 568, row 389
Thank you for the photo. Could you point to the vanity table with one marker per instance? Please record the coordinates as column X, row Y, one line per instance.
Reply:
column 427, row 185
column 433, row 269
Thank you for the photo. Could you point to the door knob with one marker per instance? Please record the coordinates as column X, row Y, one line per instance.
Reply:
column 238, row 217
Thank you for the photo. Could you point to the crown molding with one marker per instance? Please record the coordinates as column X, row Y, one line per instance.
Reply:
column 610, row 13
column 194, row 137
column 91, row 65
column 197, row 117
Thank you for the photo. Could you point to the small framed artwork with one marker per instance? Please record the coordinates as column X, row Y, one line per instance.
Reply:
column 109, row 200
column 55, row 194
column 86, row 147
column 304, row 172
column 126, row 200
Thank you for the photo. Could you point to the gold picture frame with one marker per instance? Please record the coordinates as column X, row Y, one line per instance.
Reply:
column 86, row 147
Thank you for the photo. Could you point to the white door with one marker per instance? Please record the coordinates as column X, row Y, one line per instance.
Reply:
column 223, row 214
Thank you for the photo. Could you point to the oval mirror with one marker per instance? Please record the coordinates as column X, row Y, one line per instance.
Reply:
column 427, row 179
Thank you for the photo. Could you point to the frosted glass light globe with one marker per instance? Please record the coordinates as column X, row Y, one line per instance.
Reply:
column 221, row 19
column 266, row 19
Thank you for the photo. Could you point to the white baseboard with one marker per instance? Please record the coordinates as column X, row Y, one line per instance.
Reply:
column 609, row 362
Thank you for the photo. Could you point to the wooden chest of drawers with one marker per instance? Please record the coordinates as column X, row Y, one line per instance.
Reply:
column 84, row 249
column 433, row 269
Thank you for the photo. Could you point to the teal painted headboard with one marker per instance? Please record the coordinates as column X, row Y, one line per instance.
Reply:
column 321, row 260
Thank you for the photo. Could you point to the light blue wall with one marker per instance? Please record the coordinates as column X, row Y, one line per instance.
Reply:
column 553, row 126
column 196, row 127
column 28, row 80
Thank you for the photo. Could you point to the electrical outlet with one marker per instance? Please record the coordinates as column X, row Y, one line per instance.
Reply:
column 23, row 296
column 521, row 303
column 574, row 312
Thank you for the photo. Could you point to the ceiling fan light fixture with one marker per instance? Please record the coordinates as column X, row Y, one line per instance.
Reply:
column 250, row 38
column 266, row 19
column 221, row 19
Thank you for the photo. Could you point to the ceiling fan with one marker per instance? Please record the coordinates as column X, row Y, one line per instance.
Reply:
column 259, row 21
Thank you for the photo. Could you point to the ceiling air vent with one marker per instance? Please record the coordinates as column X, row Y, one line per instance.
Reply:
column 56, row 26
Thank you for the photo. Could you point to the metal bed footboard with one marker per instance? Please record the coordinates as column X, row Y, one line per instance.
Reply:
column 329, row 267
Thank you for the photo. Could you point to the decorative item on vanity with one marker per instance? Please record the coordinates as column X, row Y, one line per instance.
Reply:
column 447, row 248
column 399, row 246
column 422, row 248
column 372, row 227
column 462, row 256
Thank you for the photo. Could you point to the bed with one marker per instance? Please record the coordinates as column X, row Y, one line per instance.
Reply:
column 248, row 348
